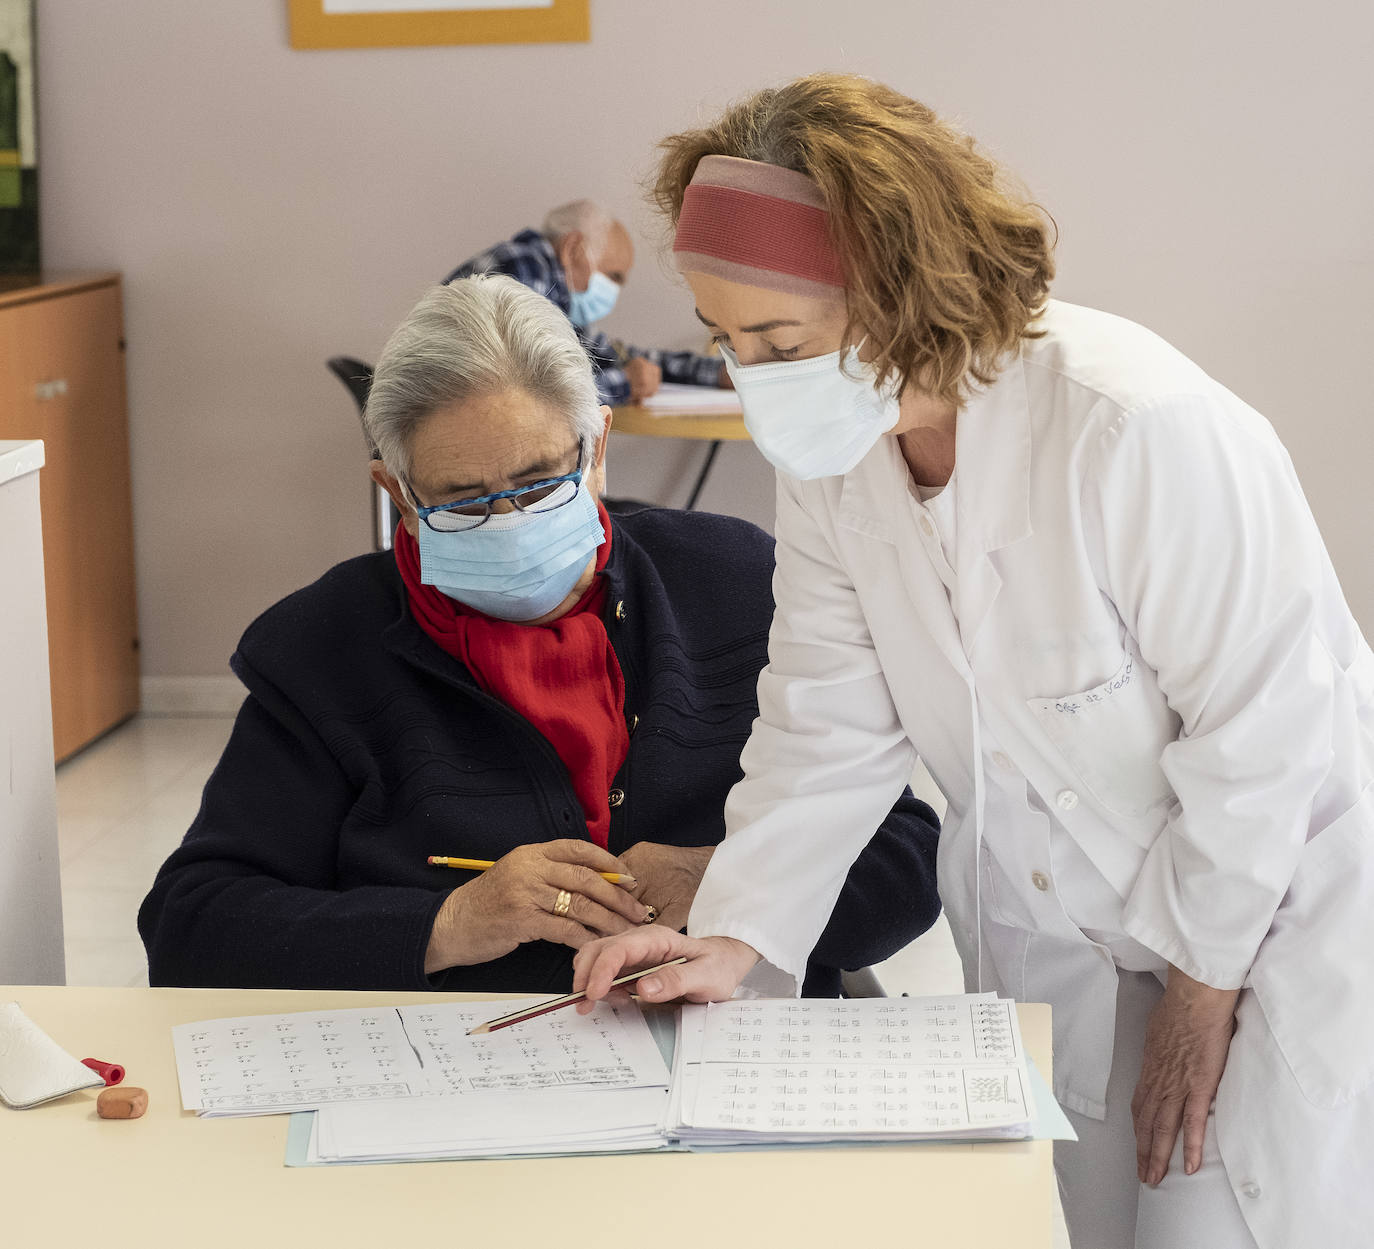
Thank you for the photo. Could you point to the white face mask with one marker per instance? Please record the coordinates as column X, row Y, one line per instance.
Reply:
column 813, row 418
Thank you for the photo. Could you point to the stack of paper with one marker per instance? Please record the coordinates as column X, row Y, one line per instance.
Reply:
column 409, row 1083
column 883, row 1069
column 675, row 399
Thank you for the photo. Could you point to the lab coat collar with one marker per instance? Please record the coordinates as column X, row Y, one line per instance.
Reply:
column 992, row 499
column 993, row 447
column 992, row 496
column 993, row 455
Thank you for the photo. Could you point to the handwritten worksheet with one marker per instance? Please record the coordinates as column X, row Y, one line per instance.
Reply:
column 611, row 1047
column 269, row 1064
column 868, row 1068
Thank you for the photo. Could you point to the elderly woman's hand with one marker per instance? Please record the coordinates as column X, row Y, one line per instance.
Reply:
column 667, row 877
column 514, row 901
column 1186, row 1044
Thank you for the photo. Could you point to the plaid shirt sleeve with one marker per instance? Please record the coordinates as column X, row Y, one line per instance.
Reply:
column 612, row 386
column 528, row 258
column 687, row 367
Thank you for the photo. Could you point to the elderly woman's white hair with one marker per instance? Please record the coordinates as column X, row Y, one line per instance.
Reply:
column 474, row 337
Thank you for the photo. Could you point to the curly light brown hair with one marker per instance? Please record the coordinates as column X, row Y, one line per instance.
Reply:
column 946, row 265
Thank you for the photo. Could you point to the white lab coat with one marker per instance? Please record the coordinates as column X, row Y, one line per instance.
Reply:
column 1146, row 620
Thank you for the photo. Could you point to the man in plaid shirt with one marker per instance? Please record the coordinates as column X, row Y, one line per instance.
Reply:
column 579, row 260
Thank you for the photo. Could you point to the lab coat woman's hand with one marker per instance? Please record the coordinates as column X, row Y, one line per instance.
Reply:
column 714, row 967
column 1186, row 1044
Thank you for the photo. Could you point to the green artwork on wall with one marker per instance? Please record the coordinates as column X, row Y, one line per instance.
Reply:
column 18, row 149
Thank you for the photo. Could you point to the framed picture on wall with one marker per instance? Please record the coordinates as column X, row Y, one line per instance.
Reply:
column 18, row 146
column 411, row 23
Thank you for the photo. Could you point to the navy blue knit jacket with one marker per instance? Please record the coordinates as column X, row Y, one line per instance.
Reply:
column 362, row 748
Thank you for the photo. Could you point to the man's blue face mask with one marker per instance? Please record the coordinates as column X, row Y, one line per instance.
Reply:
column 595, row 302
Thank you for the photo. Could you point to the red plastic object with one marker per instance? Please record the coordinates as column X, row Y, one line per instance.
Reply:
column 111, row 1073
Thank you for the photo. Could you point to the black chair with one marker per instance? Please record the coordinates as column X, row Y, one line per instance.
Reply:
column 357, row 377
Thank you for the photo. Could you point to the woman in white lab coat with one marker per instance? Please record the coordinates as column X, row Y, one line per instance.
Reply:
column 1036, row 546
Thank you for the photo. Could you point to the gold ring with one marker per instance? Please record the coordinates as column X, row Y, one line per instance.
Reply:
column 652, row 915
column 564, row 901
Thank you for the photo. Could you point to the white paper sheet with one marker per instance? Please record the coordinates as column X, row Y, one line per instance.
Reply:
column 875, row 1068
column 269, row 1064
column 677, row 399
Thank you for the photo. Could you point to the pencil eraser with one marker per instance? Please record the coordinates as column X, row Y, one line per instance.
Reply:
column 111, row 1073
column 128, row 1102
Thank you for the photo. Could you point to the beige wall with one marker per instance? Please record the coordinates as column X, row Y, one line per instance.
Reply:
column 1208, row 163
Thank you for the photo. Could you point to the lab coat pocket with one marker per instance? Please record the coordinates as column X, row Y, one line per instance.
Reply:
column 1113, row 735
column 1312, row 974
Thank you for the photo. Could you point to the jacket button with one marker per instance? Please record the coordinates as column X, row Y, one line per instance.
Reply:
column 1002, row 761
column 1250, row 1189
column 1040, row 881
column 620, row 612
column 616, row 797
column 1066, row 800
column 634, row 723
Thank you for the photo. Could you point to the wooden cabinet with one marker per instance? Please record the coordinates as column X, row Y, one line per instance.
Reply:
column 62, row 380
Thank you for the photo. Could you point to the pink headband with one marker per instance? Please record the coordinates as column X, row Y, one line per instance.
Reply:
column 757, row 224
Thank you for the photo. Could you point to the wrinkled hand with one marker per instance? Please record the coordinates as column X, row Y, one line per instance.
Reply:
column 667, row 877
column 712, row 973
column 643, row 376
column 1186, row 1043
column 512, row 902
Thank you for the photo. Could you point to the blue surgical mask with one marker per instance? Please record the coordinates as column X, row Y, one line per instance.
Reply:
column 516, row 565
column 813, row 418
column 595, row 302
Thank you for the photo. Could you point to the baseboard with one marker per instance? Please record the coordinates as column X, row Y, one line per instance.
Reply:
column 191, row 696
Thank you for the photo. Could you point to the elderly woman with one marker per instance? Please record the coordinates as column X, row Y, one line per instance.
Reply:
column 526, row 680
column 1037, row 545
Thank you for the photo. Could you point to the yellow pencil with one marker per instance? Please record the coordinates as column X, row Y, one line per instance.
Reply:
column 481, row 865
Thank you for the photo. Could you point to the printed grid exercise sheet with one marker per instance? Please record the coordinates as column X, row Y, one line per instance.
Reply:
column 270, row 1064
column 873, row 1068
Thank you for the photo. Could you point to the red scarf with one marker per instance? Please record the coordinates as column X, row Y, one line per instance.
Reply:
column 563, row 677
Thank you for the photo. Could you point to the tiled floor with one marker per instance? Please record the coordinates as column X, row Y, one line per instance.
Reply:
column 124, row 803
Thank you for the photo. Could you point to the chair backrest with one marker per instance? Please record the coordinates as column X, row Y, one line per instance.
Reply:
column 357, row 377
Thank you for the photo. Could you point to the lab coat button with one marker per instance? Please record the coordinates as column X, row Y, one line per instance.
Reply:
column 926, row 527
column 1250, row 1189
column 616, row 797
column 1066, row 800
column 1040, row 881
column 1001, row 760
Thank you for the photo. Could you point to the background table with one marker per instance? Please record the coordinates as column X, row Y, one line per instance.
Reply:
column 713, row 427
column 171, row 1178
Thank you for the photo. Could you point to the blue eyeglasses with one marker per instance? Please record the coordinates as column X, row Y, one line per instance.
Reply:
column 539, row 496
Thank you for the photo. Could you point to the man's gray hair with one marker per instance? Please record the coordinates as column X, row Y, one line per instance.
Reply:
column 586, row 217
column 478, row 336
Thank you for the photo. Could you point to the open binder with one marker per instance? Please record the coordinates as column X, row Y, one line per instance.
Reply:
column 410, row 1083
